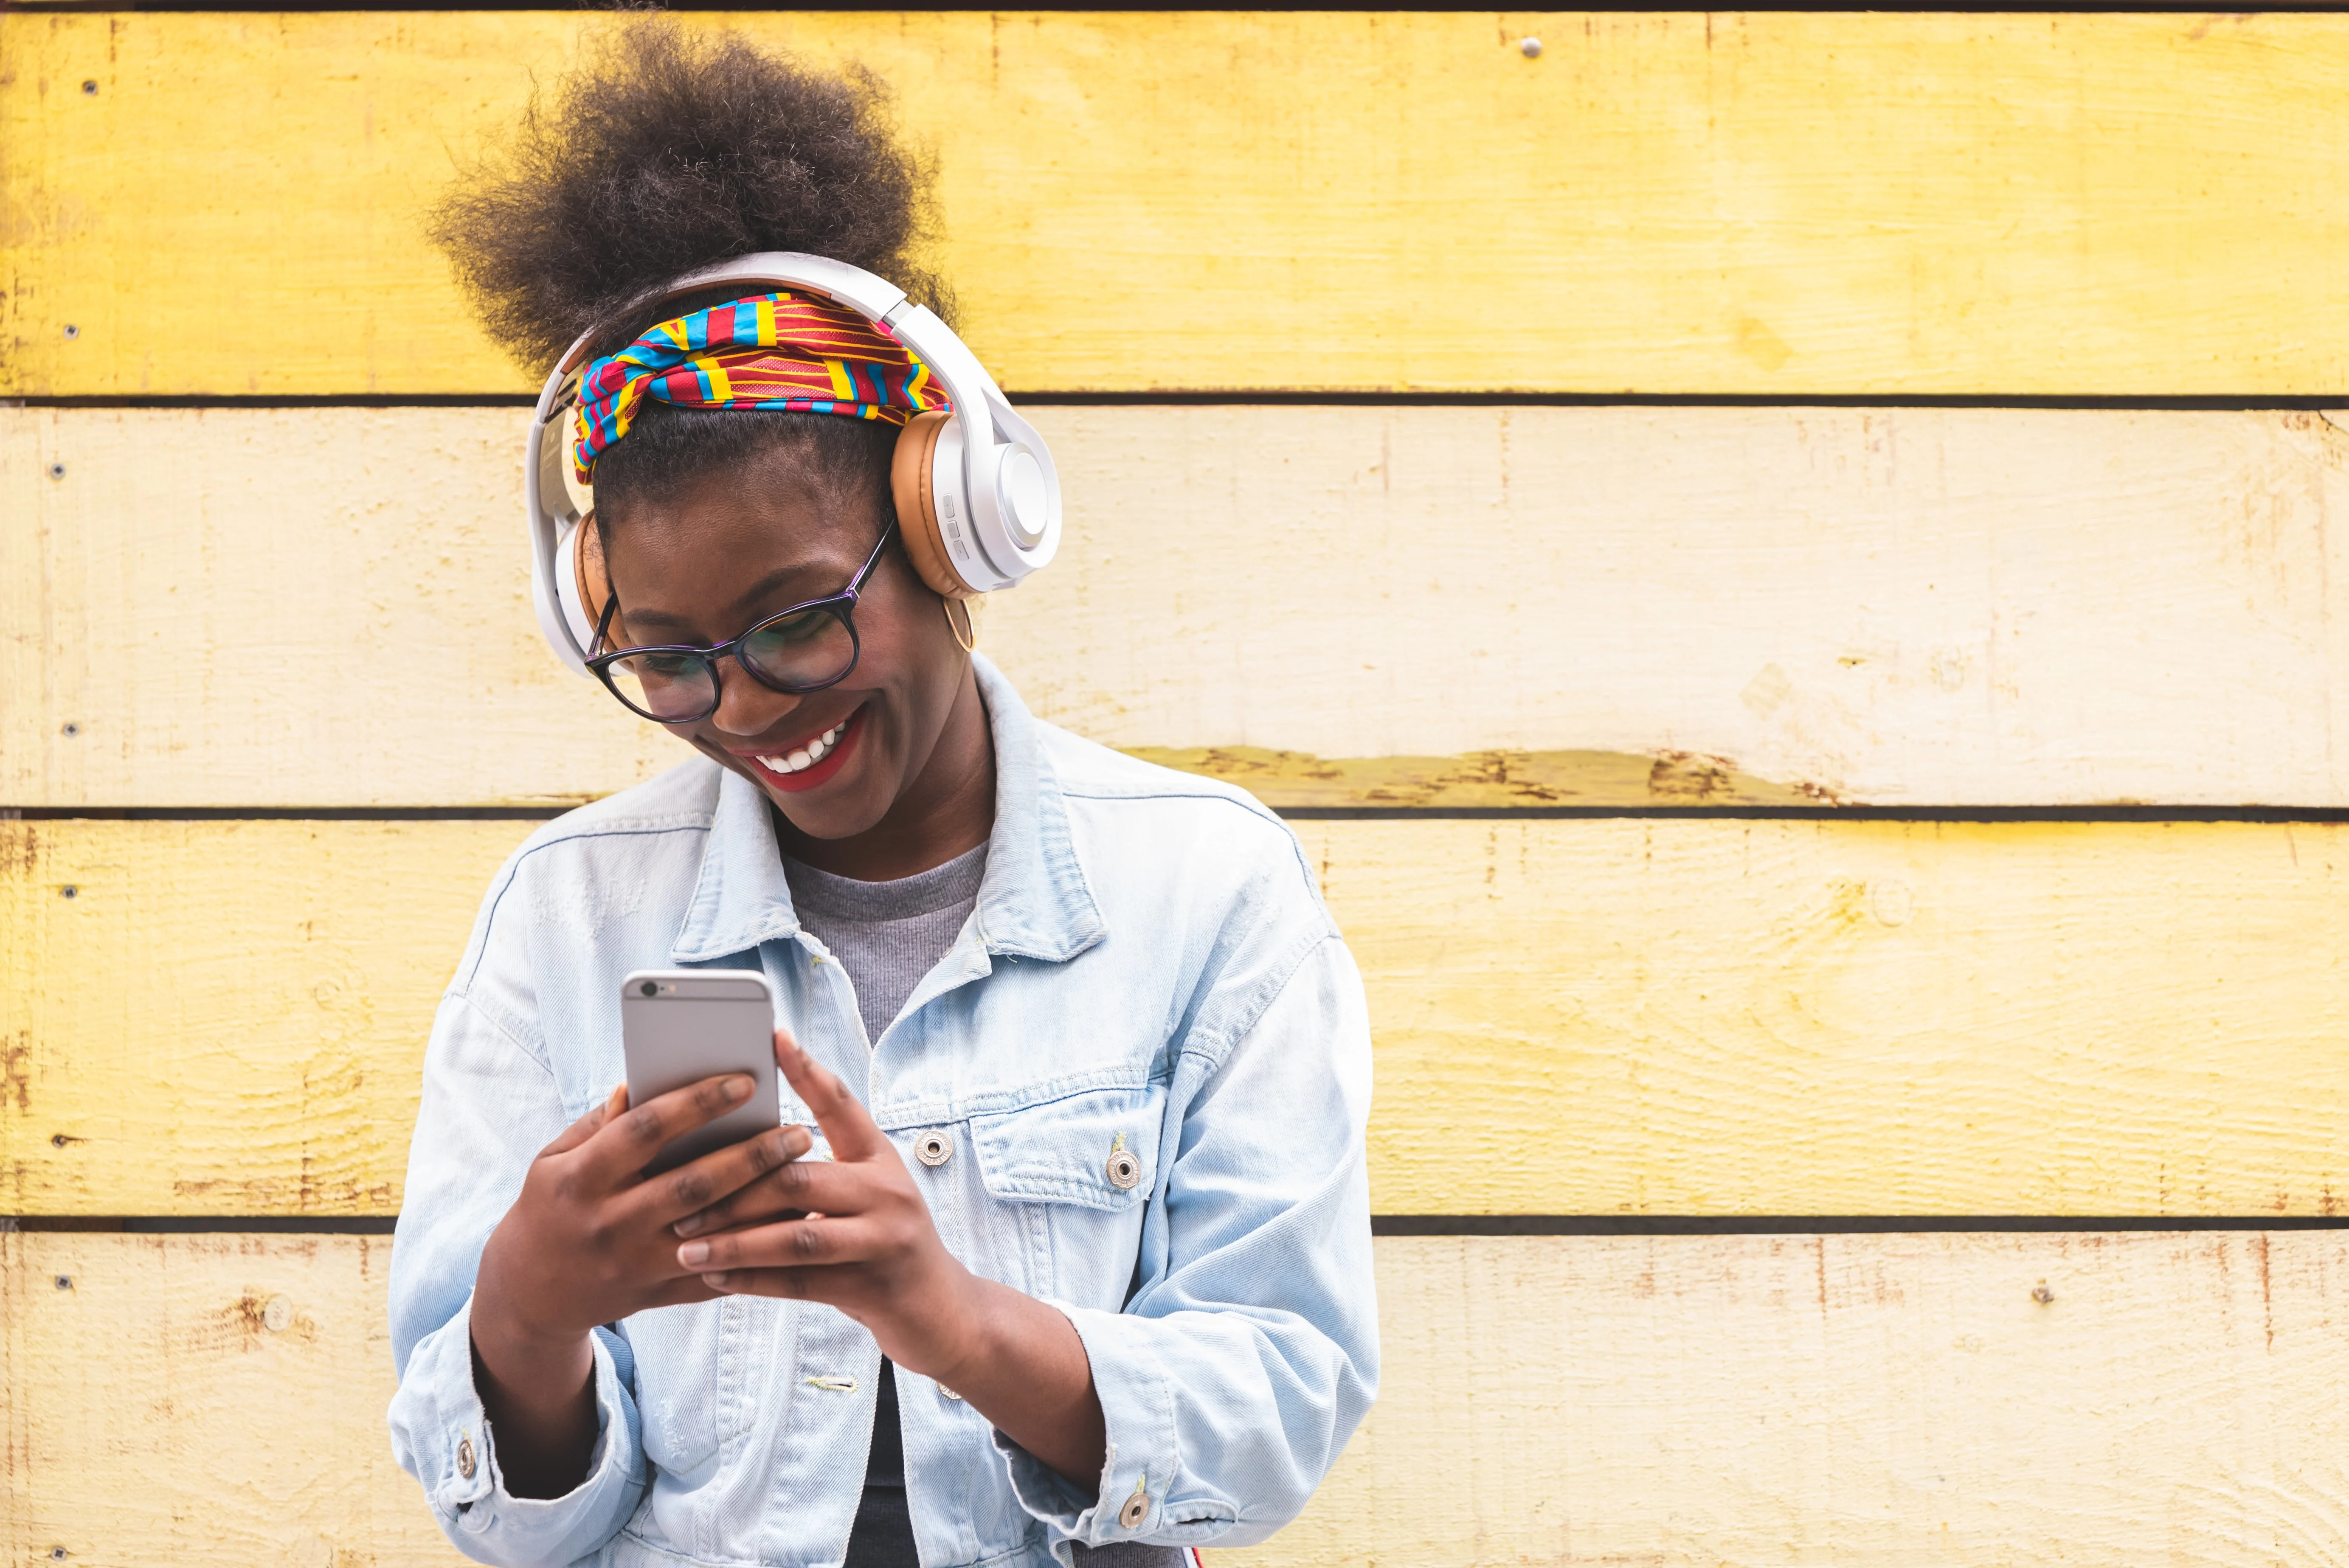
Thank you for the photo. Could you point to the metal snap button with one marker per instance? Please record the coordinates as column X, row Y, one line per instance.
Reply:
column 934, row 1149
column 1125, row 1170
column 950, row 1393
column 1136, row 1510
column 465, row 1466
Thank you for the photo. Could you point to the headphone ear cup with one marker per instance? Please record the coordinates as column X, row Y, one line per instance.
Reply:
column 917, row 508
column 588, row 578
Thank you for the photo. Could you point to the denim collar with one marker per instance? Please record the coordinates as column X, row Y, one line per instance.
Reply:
column 1034, row 903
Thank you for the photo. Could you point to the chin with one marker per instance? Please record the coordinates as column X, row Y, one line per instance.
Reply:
column 842, row 807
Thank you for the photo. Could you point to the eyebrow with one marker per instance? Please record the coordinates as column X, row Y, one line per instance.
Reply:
column 756, row 592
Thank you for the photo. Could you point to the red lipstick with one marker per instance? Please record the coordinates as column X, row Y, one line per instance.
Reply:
column 774, row 769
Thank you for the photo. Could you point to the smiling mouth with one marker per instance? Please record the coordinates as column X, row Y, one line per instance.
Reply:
column 811, row 761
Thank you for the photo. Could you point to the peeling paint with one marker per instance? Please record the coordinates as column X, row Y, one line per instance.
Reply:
column 1483, row 780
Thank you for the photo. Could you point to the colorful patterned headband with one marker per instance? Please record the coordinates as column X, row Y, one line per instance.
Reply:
column 798, row 352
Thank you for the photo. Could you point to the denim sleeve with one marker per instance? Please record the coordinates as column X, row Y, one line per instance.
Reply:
column 489, row 1106
column 1235, row 1376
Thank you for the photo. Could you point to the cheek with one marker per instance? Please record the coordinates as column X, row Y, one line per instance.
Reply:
column 918, row 670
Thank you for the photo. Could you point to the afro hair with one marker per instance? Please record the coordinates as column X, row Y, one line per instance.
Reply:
column 669, row 150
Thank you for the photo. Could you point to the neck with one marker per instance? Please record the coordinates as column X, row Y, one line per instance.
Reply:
column 949, row 809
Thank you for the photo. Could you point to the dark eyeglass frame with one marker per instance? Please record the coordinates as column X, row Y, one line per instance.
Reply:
column 840, row 606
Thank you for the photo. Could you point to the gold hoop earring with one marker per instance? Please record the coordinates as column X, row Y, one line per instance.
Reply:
column 965, row 632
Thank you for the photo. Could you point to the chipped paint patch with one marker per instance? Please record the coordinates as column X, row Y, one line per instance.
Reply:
column 1482, row 780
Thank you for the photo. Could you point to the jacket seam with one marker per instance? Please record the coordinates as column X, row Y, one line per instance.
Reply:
column 514, row 871
column 1241, row 802
column 508, row 1032
column 1214, row 1046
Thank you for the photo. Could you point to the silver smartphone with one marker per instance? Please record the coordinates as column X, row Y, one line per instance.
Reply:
column 679, row 1026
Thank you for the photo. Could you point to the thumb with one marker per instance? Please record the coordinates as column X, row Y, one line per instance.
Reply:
column 847, row 1126
column 585, row 1128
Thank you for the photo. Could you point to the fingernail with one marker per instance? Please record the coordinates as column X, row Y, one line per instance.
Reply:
column 715, row 1281
column 693, row 1254
column 738, row 1088
column 687, row 1226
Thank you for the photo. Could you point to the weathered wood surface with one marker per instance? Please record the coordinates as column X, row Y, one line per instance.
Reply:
column 1829, row 1401
column 1861, row 1401
column 1658, row 1018
column 1627, row 606
column 155, row 1415
column 1777, row 203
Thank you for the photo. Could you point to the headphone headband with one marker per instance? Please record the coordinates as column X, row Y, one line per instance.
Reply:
column 992, row 483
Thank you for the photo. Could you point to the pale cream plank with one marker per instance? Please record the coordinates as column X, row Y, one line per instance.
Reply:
column 1658, row 1018
column 1418, row 606
column 1754, row 1401
column 1872, row 1401
column 155, row 1415
column 1768, row 203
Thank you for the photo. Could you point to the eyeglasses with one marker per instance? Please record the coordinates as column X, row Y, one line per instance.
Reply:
column 805, row 648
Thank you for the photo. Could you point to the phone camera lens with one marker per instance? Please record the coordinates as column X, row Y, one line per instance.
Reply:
column 647, row 989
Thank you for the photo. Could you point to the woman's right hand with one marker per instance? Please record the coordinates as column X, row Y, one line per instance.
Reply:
column 587, row 1243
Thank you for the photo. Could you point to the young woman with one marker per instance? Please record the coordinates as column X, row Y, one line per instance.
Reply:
column 1118, row 1300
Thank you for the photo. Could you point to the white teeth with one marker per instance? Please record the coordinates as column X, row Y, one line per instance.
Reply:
column 808, row 755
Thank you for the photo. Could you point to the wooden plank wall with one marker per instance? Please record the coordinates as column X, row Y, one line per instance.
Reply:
column 1754, row 786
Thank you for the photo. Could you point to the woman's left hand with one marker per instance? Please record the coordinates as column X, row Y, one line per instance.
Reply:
column 852, row 1231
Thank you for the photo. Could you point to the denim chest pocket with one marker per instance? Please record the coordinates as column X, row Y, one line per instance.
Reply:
column 1097, row 1150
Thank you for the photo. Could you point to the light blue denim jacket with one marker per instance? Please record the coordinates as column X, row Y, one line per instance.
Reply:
column 1149, row 967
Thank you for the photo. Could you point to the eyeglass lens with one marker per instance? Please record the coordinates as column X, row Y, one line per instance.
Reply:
column 804, row 651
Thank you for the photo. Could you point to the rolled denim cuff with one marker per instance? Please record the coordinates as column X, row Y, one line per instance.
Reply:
column 441, row 1435
column 1143, row 1495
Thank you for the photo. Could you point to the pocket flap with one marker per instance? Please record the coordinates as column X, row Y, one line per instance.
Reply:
column 1099, row 1148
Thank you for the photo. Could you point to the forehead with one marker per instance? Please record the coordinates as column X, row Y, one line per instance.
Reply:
column 720, row 552
column 725, row 525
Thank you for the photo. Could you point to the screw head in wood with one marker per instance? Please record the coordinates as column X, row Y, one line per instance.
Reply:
column 1529, row 47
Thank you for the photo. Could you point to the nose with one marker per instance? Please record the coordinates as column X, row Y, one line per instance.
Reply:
column 744, row 706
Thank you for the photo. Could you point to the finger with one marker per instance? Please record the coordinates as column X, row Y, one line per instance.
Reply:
column 683, row 1292
column 819, row 1185
column 626, row 1142
column 581, row 1130
column 696, row 1184
column 847, row 1126
column 786, row 1285
column 791, row 1243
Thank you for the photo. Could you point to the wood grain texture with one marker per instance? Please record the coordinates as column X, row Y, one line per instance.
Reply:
column 1432, row 606
column 1754, row 1401
column 1775, row 203
column 153, row 1415
column 223, row 1017
column 1861, row 1401
column 1661, row 1018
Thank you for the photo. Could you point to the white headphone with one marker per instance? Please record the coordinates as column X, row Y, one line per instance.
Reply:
column 978, row 501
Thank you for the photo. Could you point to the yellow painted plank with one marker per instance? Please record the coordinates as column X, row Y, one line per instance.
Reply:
column 256, row 1049
column 1651, row 1017
column 1776, row 203
column 1426, row 606
column 1844, row 1401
